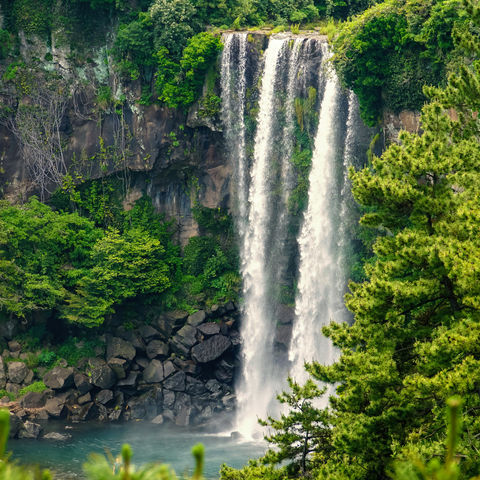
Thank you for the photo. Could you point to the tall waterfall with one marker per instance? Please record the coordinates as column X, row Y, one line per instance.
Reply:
column 291, row 70
column 233, row 87
column 257, row 343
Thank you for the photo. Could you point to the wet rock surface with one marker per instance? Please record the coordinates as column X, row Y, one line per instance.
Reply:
column 179, row 369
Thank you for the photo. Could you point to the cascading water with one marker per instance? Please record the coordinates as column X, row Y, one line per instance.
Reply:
column 318, row 299
column 257, row 344
column 264, row 179
column 233, row 88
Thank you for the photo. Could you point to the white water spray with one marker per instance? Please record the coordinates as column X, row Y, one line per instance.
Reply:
column 318, row 300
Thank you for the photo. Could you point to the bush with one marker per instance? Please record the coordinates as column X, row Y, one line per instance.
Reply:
column 33, row 387
column 179, row 84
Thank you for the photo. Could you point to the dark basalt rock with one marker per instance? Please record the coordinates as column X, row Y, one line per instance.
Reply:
column 82, row 383
column 130, row 381
column 104, row 396
column 55, row 407
column 194, row 387
column 33, row 400
column 175, row 382
column 58, row 437
column 30, row 430
column 103, row 376
column 211, row 349
column 119, row 366
column 118, row 347
column 224, row 372
column 17, row 371
column 149, row 333
column 157, row 348
column 168, row 399
column 59, row 378
column 195, row 319
column 209, row 329
column 154, row 372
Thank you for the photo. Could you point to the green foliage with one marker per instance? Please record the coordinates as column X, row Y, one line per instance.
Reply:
column 414, row 342
column 33, row 387
column 61, row 262
column 32, row 16
column 300, row 432
column 209, row 106
column 5, row 43
column 179, row 84
column 173, row 25
column 386, row 54
column 133, row 48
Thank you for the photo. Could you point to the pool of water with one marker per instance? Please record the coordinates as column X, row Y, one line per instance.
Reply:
column 150, row 443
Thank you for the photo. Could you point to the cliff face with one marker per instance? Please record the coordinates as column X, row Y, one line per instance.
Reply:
column 177, row 157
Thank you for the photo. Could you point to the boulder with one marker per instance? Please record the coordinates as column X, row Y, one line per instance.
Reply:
column 104, row 396
column 29, row 377
column 59, row 378
column 119, row 366
column 115, row 415
column 168, row 416
column 58, row 437
column 168, row 368
column 84, row 399
column 14, row 346
column 178, row 347
column 33, row 400
column 154, row 372
column 229, row 401
column 118, row 347
column 195, row 319
column 211, row 349
column 142, row 407
column 130, row 381
column 224, row 372
column 30, row 430
column 213, row 386
column 142, row 362
column 157, row 348
column 168, row 399
column 149, row 333
column 103, row 376
column 182, row 418
column 230, row 307
column 158, row 420
column 12, row 388
column 194, row 386
column 55, row 407
column 170, row 322
column 208, row 329
column 84, row 412
column 15, row 425
column 132, row 337
column 176, row 382
column 82, row 383
column 188, row 366
column 187, row 336
column 205, row 415
column 17, row 371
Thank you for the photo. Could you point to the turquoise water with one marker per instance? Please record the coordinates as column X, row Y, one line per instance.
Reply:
column 150, row 443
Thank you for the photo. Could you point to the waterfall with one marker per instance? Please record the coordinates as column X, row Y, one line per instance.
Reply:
column 233, row 89
column 262, row 133
column 318, row 298
column 257, row 322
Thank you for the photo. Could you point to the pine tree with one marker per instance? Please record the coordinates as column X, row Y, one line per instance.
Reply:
column 416, row 337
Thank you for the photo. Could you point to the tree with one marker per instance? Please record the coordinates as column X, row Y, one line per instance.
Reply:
column 415, row 340
column 173, row 24
column 301, row 431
